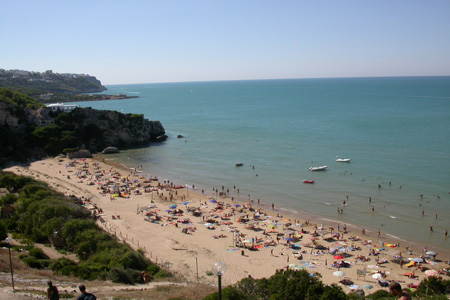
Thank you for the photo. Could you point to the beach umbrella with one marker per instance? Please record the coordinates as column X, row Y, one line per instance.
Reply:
column 289, row 239
column 208, row 224
column 368, row 287
column 333, row 251
column 359, row 292
column 432, row 273
column 339, row 274
column 417, row 259
column 237, row 205
column 432, row 253
column 173, row 206
column 168, row 210
column 377, row 276
column 185, row 203
column 338, row 257
column 213, row 201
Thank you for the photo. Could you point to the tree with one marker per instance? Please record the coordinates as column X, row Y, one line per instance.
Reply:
column 284, row 285
column 3, row 231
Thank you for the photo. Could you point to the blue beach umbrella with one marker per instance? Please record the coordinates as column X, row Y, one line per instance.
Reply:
column 237, row 205
column 173, row 206
column 213, row 201
column 185, row 203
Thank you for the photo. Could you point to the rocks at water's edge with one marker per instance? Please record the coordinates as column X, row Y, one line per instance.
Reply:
column 110, row 150
column 83, row 153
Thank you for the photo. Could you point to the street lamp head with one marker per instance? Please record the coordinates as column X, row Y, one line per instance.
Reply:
column 219, row 268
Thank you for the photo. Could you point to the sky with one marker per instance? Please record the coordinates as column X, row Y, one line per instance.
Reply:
column 122, row 42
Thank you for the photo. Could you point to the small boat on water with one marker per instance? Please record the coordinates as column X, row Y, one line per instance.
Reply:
column 239, row 164
column 338, row 159
column 308, row 181
column 321, row 168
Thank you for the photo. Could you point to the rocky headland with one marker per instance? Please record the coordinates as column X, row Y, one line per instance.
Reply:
column 30, row 129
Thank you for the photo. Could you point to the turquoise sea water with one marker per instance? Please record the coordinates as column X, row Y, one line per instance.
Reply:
column 394, row 130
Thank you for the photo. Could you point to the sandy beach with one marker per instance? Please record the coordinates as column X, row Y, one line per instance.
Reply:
column 186, row 231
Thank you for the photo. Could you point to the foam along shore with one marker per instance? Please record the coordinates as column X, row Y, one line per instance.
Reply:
column 185, row 230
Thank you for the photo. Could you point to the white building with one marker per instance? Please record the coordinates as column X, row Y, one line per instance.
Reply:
column 61, row 107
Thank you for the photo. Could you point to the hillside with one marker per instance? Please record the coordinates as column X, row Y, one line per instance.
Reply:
column 29, row 129
column 49, row 82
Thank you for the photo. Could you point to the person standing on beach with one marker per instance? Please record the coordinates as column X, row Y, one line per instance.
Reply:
column 52, row 291
column 85, row 295
column 396, row 290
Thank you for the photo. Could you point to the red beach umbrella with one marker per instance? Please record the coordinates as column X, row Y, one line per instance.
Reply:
column 338, row 257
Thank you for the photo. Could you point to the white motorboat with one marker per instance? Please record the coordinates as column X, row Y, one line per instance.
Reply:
column 338, row 159
column 321, row 168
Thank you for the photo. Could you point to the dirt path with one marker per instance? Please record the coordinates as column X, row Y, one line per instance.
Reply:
column 33, row 287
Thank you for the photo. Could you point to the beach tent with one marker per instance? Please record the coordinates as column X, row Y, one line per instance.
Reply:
column 377, row 276
column 339, row 274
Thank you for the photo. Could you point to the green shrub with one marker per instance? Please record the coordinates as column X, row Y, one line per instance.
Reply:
column 35, row 263
column 120, row 275
column 381, row 294
column 3, row 231
column 60, row 263
column 162, row 274
column 69, row 150
column 433, row 286
column 38, row 253
column 153, row 269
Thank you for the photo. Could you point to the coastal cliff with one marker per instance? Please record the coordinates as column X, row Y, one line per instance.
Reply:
column 102, row 128
column 29, row 129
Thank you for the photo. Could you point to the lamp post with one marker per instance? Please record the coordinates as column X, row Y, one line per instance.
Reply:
column 8, row 240
column 219, row 268
column 196, row 265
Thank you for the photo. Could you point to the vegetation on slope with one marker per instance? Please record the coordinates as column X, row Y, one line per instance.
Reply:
column 36, row 213
column 48, row 82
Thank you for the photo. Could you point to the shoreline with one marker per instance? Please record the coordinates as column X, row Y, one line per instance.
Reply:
column 370, row 232
column 182, row 253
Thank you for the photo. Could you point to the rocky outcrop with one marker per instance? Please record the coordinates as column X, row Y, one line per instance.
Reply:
column 110, row 150
column 83, row 153
column 94, row 129
column 102, row 128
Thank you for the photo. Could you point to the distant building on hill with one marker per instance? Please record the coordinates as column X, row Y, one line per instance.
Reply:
column 47, row 96
column 61, row 107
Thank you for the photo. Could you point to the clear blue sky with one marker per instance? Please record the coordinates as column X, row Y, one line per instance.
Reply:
column 171, row 41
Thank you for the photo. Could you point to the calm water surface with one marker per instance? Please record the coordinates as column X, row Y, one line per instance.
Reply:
column 394, row 130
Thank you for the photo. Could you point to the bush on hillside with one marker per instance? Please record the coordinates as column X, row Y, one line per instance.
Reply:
column 40, row 214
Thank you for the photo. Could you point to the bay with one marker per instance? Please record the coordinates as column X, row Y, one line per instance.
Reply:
column 395, row 130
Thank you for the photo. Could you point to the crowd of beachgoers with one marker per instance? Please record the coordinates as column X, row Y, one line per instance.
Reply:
column 186, row 230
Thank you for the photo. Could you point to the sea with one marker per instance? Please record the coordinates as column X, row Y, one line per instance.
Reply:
column 395, row 130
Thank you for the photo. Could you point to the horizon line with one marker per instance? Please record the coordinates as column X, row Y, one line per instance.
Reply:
column 293, row 78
